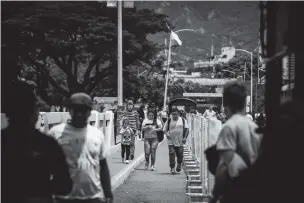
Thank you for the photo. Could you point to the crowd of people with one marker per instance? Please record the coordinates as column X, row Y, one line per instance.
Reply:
column 70, row 162
column 146, row 123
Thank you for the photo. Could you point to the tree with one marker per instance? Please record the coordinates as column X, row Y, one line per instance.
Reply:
column 73, row 45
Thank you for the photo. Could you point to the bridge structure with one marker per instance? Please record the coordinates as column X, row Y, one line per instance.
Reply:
column 131, row 182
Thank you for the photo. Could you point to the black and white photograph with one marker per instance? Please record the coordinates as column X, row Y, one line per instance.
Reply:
column 152, row 101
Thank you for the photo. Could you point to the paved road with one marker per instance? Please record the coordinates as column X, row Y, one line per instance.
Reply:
column 153, row 186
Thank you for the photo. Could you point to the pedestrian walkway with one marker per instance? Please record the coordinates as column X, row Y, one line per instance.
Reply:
column 114, row 160
column 153, row 186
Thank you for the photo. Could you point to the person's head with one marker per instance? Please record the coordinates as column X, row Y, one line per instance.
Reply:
column 150, row 115
column 130, row 105
column 234, row 100
column 175, row 114
column 125, row 122
column 210, row 108
column 19, row 105
column 80, row 106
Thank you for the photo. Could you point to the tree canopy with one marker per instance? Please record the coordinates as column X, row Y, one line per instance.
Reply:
column 68, row 47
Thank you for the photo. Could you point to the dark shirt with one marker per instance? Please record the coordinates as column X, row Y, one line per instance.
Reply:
column 33, row 166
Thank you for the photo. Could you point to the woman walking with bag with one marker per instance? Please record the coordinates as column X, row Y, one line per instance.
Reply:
column 150, row 127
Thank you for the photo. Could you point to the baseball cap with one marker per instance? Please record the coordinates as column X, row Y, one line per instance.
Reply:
column 81, row 99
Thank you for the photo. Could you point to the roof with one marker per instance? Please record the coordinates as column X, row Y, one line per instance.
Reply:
column 181, row 99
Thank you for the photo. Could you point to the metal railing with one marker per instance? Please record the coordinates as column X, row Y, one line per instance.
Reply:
column 203, row 134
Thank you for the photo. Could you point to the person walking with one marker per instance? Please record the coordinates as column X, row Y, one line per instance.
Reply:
column 238, row 143
column 34, row 167
column 126, row 134
column 150, row 127
column 141, row 114
column 209, row 113
column 84, row 147
column 177, row 131
column 133, row 117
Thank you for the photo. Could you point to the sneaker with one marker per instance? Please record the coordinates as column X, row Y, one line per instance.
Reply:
column 178, row 168
column 147, row 166
column 152, row 168
column 127, row 161
column 173, row 171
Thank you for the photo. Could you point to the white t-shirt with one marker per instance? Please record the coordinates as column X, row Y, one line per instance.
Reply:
column 249, row 116
column 238, row 135
column 209, row 114
column 176, row 130
column 83, row 148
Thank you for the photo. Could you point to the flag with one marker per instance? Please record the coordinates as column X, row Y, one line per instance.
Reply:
column 176, row 38
column 111, row 4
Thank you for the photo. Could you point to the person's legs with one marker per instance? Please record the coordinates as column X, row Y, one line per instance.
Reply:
column 123, row 152
column 132, row 150
column 179, row 154
column 147, row 148
column 172, row 158
column 154, row 146
column 127, row 152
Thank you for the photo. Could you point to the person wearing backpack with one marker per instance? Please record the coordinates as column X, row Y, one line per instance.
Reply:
column 177, row 131
column 238, row 144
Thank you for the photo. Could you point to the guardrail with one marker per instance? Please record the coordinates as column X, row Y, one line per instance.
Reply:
column 103, row 121
column 203, row 134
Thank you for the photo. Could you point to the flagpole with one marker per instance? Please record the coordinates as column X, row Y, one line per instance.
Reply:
column 167, row 76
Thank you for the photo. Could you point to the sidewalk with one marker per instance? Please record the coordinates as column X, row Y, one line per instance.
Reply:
column 114, row 160
column 153, row 186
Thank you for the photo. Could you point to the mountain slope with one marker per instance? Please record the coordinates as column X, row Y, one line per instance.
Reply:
column 235, row 21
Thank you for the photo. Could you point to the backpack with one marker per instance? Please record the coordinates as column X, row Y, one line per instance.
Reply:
column 184, row 129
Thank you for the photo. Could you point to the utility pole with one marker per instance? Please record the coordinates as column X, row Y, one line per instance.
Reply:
column 119, row 48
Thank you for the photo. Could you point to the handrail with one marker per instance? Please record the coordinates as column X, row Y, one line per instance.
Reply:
column 203, row 134
column 103, row 121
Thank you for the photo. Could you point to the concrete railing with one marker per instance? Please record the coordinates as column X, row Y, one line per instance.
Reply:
column 103, row 121
column 203, row 134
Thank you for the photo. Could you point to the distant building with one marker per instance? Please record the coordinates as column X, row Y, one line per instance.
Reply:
column 227, row 53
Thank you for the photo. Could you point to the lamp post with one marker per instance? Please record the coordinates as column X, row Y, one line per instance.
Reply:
column 169, row 60
column 257, row 83
column 251, row 82
column 120, row 5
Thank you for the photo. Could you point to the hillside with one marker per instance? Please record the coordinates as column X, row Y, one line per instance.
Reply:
column 235, row 21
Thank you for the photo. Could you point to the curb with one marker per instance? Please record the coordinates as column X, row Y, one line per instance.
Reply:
column 120, row 178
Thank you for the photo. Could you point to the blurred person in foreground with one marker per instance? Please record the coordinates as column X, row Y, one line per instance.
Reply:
column 280, row 160
column 84, row 147
column 238, row 143
column 34, row 167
